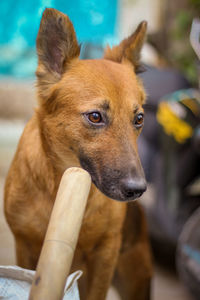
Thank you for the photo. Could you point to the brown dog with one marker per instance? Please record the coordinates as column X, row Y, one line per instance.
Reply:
column 90, row 114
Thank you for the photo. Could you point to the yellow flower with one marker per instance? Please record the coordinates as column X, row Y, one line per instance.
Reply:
column 172, row 125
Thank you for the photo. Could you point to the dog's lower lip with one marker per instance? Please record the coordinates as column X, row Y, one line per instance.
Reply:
column 137, row 195
column 114, row 195
column 93, row 179
column 118, row 196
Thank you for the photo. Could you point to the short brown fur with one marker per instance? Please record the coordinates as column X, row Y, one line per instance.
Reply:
column 113, row 241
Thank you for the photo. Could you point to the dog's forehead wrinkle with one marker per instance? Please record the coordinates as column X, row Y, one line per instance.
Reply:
column 101, row 104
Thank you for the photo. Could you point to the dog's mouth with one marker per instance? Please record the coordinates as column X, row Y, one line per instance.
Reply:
column 112, row 184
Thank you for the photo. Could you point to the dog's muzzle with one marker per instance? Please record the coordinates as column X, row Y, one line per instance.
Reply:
column 114, row 183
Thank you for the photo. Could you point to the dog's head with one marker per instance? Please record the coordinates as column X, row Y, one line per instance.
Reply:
column 90, row 111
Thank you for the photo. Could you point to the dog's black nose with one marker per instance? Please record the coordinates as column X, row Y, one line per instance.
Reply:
column 133, row 188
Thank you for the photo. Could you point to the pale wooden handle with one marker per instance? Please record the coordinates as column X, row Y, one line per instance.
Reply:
column 61, row 237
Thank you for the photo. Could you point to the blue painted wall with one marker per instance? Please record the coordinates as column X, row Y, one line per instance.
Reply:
column 94, row 22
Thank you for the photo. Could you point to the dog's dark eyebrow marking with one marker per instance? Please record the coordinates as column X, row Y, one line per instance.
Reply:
column 136, row 108
column 105, row 105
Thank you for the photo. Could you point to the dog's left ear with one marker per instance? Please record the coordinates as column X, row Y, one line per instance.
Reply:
column 130, row 48
column 56, row 47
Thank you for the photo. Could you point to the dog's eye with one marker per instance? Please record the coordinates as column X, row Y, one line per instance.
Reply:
column 139, row 120
column 95, row 117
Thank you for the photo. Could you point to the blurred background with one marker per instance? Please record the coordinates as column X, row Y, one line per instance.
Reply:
column 170, row 143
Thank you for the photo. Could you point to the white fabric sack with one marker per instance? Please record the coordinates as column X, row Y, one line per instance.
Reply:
column 15, row 284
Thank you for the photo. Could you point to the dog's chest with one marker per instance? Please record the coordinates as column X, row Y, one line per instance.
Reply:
column 100, row 223
column 92, row 231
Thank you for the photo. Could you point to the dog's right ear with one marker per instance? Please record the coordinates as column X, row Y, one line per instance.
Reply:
column 56, row 47
column 129, row 49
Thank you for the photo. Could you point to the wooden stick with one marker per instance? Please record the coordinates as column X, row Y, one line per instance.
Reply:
column 61, row 237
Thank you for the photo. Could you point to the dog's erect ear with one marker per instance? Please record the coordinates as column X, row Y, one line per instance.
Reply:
column 56, row 46
column 130, row 48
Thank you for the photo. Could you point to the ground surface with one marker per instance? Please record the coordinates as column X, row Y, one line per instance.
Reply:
column 166, row 285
